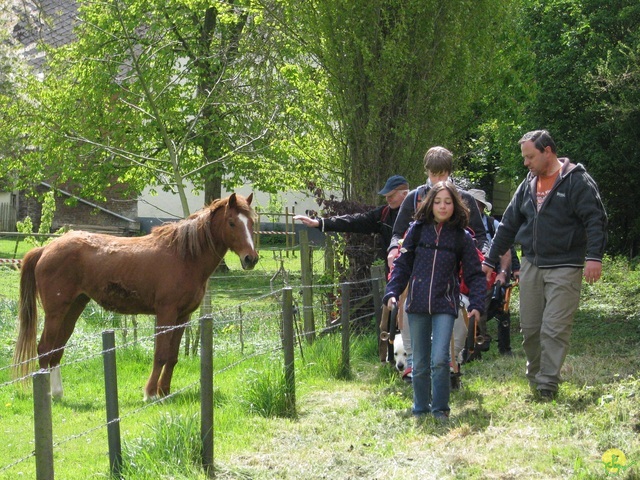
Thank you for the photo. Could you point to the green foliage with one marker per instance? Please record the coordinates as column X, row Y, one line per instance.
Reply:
column 194, row 96
column 346, row 426
column 46, row 221
column 587, row 77
column 401, row 76
column 176, row 440
column 265, row 391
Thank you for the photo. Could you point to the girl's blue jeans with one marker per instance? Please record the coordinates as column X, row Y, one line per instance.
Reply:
column 430, row 342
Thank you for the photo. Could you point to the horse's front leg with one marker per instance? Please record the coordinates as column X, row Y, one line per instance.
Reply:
column 165, row 355
column 164, row 383
column 161, row 341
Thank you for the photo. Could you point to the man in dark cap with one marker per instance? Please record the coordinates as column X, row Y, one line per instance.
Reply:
column 379, row 220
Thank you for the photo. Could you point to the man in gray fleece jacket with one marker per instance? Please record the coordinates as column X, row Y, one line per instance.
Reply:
column 558, row 218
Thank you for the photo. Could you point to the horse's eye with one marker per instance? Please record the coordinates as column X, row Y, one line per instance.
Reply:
column 232, row 223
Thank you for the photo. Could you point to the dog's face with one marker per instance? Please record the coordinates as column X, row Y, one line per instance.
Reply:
column 399, row 353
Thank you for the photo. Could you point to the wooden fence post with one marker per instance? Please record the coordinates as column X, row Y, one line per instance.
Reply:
column 206, row 393
column 43, row 426
column 111, row 394
column 306, row 272
column 288, row 347
column 377, row 303
column 345, row 321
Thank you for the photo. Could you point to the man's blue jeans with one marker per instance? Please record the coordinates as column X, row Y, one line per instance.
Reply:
column 430, row 341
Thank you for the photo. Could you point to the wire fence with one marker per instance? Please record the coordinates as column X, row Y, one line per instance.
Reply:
column 248, row 323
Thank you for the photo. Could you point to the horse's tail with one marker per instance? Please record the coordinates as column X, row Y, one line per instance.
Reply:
column 26, row 349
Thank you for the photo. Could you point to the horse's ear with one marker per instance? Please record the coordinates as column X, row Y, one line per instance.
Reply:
column 250, row 198
column 232, row 200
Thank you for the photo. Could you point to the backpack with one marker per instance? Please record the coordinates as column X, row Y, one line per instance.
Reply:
column 421, row 192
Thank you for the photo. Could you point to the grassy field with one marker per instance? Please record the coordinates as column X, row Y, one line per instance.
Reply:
column 356, row 428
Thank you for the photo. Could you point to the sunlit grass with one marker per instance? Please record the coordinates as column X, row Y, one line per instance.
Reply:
column 344, row 427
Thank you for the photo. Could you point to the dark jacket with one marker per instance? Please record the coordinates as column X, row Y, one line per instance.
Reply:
column 570, row 227
column 408, row 210
column 492, row 223
column 429, row 264
column 379, row 220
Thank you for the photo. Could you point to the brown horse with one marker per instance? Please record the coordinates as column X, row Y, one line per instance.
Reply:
column 164, row 273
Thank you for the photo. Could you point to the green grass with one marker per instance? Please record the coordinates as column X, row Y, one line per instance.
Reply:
column 13, row 247
column 343, row 428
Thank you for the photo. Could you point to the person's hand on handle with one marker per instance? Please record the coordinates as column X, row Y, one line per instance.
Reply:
column 474, row 313
column 392, row 302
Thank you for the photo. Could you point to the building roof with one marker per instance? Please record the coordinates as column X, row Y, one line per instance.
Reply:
column 48, row 21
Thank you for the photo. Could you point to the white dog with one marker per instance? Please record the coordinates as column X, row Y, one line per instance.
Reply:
column 399, row 353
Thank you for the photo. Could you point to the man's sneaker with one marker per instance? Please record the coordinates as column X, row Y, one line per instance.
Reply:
column 407, row 375
column 547, row 395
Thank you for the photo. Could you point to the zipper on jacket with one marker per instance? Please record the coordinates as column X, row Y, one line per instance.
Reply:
column 555, row 186
column 433, row 264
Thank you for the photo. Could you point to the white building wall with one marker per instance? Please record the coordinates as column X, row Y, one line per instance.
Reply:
column 165, row 205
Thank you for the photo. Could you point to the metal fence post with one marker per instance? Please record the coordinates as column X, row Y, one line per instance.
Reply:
column 345, row 320
column 377, row 303
column 306, row 273
column 111, row 394
column 43, row 428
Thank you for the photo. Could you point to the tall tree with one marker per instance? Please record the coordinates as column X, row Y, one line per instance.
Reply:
column 587, row 74
column 402, row 75
column 163, row 94
column 12, row 71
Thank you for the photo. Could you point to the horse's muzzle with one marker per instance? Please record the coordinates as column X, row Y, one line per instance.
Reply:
column 249, row 261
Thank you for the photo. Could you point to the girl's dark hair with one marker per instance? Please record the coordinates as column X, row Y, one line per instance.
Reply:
column 460, row 217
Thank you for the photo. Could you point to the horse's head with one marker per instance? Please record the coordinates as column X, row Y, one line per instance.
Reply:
column 238, row 225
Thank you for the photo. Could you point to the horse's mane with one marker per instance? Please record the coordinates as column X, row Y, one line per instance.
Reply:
column 192, row 236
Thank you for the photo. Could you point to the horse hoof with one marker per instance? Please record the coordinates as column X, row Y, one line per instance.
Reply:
column 149, row 398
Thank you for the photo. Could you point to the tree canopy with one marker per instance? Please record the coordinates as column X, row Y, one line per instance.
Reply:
column 289, row 94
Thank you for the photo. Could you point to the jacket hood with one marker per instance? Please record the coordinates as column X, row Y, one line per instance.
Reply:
column 566, row 169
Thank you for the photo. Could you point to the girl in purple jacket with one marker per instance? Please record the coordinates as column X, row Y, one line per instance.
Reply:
column 436, row 247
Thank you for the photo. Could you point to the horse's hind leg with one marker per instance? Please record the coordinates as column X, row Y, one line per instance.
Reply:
column 62, row 335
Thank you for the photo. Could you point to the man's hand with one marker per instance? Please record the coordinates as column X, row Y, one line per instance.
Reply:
column 392, row 302
column 474, row 313
column 308, row 221
column 592, row 271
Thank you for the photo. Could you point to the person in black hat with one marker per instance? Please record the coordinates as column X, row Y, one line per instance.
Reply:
column 379, row 220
